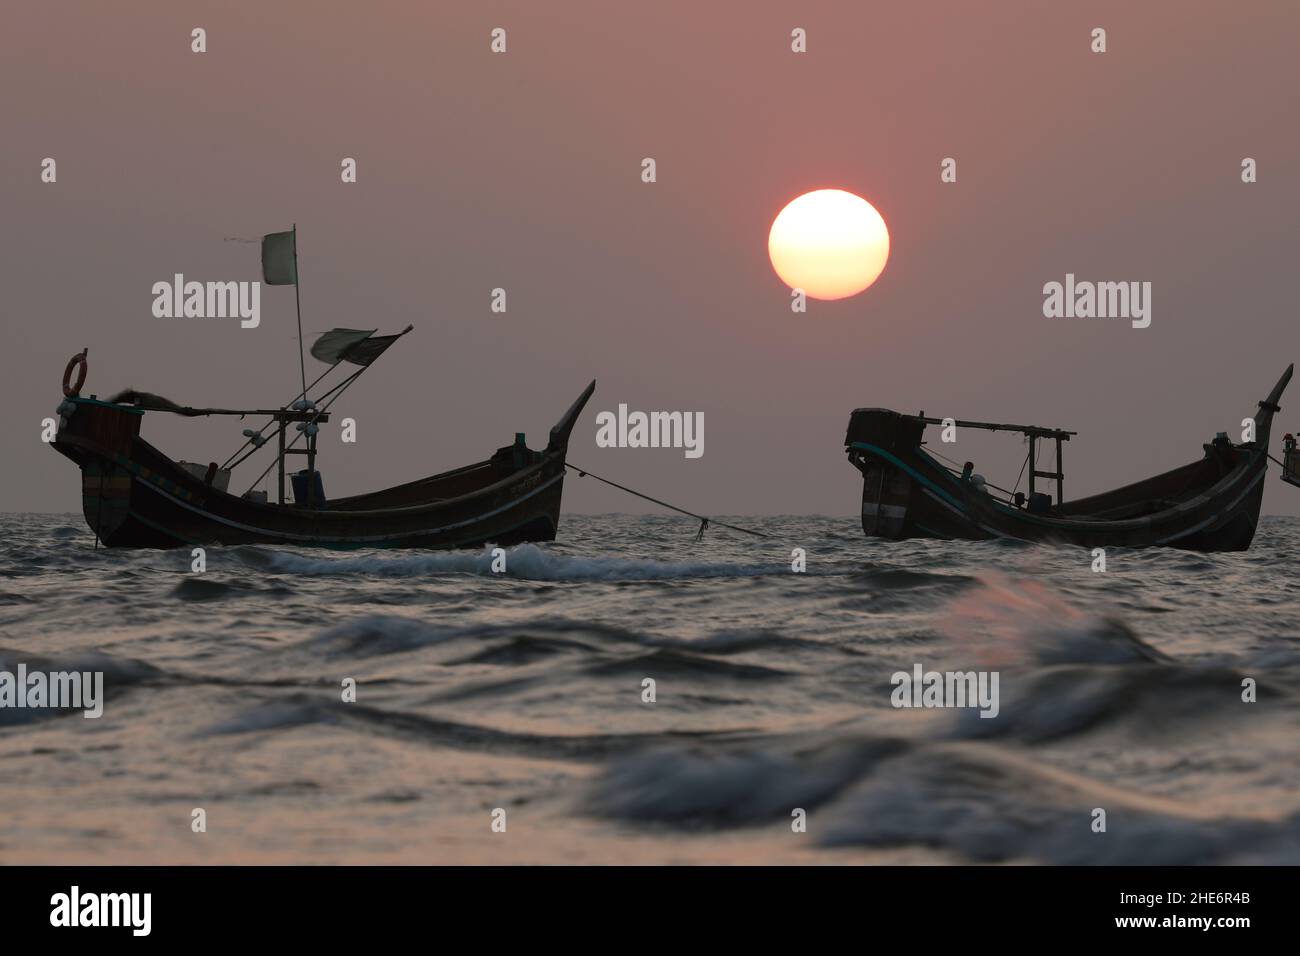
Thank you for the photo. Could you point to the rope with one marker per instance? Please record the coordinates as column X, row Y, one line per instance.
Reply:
column 341, row 387
column 99, row 506
column 704, row 522
column 249, row 441
column 939, row 454
column 1022, row 471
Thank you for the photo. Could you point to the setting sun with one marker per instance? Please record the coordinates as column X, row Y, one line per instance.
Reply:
column 829, row 243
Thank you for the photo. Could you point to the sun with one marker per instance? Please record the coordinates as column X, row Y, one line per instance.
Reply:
column 829, row 243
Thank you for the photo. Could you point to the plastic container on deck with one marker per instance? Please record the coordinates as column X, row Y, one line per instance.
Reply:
column 304, row 480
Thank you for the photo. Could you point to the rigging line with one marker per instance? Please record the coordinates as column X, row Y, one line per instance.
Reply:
column 1022, row 471
column 341, row 387
column 249, row 454
column 303, row 394
column 249, row 441
column 346, row 381
column 939, row 454
column 705, row 522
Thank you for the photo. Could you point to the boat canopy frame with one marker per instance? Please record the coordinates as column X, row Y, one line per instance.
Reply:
column 1032, row 432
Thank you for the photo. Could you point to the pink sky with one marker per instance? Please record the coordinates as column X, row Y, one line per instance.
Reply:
column 522, row 171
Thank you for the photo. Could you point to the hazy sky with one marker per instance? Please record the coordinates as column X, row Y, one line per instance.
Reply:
column 522, row 170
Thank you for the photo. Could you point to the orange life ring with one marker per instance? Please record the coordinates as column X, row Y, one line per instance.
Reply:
column 74, row 362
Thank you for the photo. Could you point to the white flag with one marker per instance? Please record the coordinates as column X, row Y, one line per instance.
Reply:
column 279, row 258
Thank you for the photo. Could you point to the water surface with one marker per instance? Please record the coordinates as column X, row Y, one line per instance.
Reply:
column 522, row 692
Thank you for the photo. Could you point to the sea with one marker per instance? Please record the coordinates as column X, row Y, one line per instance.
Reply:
column 631, row 695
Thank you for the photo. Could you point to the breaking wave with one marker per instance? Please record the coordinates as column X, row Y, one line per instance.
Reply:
column 983, row 805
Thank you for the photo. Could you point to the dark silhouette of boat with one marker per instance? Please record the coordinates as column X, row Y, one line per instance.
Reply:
column 1211, row 504
column 135, row 496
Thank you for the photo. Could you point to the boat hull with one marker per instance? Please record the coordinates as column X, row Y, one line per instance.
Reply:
column 914, row 505
column 134, row 496
column 1211, row 504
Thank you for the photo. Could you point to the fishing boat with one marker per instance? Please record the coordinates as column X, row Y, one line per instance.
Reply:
column 135, row 496
column 1211, row 504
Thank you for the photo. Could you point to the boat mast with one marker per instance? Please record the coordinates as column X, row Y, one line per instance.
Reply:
column 297, row 298
column 320, row 413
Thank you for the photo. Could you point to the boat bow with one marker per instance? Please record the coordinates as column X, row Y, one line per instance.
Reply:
column 559, row 442
column 1269, row 406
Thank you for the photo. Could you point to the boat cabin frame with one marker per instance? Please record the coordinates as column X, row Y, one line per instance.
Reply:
column 1032, row 432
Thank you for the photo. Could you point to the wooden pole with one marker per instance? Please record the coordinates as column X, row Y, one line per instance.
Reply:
column 282, row 426
column 1060, row 474
column 1033, row 461
column 311, row 470
column 297, row 298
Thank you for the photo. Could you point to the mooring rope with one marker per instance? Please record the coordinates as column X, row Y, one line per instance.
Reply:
column 704, row 522
column 99, row 506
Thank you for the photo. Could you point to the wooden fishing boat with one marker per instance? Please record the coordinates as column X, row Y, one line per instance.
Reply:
column 135, row 496
column 1211, row 504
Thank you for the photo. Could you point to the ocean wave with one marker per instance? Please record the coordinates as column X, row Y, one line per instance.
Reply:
column 301, row 709
column 1005, row 622
column 275, row 715
column 730, row 788
column 984, row 804
column 375, row 634
column 519, row 650
column 991, row 806
column 527, row 562
column 117, row 670
column 741, row 642
column 890, row 578
column 120, row 674
column 196, row 588
column 1059, row 701
column 674, row 662
column 525, row 641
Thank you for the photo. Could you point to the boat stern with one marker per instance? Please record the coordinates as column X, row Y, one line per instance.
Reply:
column 99, row 436
column 876, row 440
